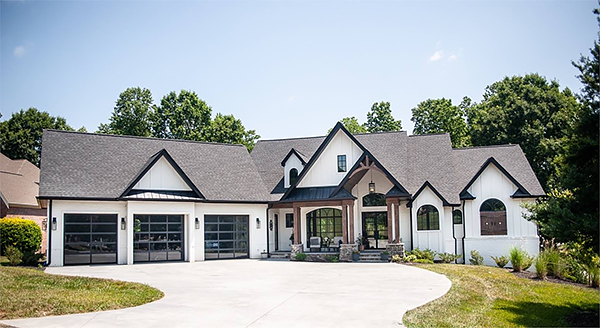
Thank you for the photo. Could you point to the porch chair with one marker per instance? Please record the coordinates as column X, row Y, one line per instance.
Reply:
column 336, row 242
column 315, row 242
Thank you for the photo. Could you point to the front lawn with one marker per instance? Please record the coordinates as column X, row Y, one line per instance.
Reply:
column 33, row 293
column 484, row 296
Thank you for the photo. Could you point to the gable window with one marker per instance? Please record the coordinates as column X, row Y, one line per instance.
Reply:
column 428, row 218
column 457, row 217
column 341, row 163
column 293, row 176
column 373, row 200
column 289, row 220
column 492, row 214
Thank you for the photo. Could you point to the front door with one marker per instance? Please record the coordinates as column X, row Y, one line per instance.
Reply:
column 375, row 229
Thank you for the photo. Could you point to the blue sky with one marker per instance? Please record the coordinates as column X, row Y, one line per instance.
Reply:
column 286, row 69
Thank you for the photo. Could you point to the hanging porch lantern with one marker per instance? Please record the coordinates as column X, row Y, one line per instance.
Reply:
column 371, row 187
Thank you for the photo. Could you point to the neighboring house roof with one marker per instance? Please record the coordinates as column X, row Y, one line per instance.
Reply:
column 19, row 181
column 415, row 161
column 101, row 166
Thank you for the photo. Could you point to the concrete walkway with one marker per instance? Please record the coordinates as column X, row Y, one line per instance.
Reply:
column 253, row 293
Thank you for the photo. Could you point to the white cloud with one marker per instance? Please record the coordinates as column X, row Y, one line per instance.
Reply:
column 437, row 56
column 19, row 51
column 453, row 57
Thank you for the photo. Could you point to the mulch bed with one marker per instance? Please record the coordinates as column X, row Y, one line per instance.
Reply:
column 533, row 276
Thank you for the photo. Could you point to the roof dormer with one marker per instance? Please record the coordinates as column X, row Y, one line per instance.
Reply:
column 293, row 163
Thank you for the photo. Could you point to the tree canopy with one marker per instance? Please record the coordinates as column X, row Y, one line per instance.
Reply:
column 181, row 116
column 228, row 129
column 131, row 115
column 21, row 135
column 352, row 125
column 380, row 119
column 439, row 116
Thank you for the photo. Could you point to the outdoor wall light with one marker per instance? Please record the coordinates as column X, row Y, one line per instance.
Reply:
column 54, row 225
column 197, row 222
column 44, row 224
column 257, row 223
column 123, row 224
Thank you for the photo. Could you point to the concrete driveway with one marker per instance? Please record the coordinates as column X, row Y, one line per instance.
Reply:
column 253, row 293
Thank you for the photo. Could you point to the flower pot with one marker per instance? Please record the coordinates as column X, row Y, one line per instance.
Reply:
column 355, row 257
column 361, row 248
column 385, row 257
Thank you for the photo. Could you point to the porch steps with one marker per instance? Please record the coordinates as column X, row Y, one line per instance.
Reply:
column 281, row 256
column 370, row 257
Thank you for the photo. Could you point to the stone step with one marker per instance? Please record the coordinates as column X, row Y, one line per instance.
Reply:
column 280, row 256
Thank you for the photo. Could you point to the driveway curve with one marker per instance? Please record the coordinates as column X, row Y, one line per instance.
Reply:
column 254, row 293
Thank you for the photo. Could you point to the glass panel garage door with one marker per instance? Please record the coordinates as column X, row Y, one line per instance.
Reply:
column 90, row 238
column 225, row 236
column 158, row 238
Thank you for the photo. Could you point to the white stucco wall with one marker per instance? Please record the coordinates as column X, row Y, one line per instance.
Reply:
column 521, row 233
column 293, row 162
column 324, row 170
column 162, row 176
column 193, row 238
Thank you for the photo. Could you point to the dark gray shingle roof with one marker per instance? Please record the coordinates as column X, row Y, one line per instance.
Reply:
column 86, row 165
column 412, row 160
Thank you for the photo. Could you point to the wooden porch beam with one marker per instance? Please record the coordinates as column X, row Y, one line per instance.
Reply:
column 297, row 231
column 389, row 222
column 351, row 219
column 345, row 224
column 397, row 218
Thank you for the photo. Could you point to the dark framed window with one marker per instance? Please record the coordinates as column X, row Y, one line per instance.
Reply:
column 293, row 176
column 341, row 163
column 373, row 200
column 428, row 218
column 289, row 220
column 324, row 222
column 457, row 217
column 492, row 214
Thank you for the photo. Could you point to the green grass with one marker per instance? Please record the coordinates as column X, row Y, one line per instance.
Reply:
column 33, row 293
column 483, row 296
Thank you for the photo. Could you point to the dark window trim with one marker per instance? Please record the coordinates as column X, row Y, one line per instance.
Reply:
column 428, row 218
column 311, row 222
column 496, row 217
column 290, row 223
column 292, row 181
column 342, row 164
column 454, row 217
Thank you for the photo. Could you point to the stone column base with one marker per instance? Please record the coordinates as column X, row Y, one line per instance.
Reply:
column 296, row 248
column 395, row 249
column 346, row 251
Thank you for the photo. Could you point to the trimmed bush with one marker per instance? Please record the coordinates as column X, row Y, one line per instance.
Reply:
column 519, row 259
column 425, row 254
column 501, row 261
column 25, row 235
column 410, row 258
column 14, row 255
column 396, row 259
column 449, row 257
column 476, row 258
column 32, row 259
column 330, row 258
column 300, row 257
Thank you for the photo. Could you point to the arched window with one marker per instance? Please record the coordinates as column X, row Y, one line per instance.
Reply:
column 293, row 176
column 493, row 217
column 428, row 218
column 374, row 200
column 457, row 217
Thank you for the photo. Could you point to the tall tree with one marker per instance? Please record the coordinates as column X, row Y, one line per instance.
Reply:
column 438, row 116
column 181, row 116
column 228, row 129
column 351, row 124
column 571, row 211
column 526, row 110
column 380, row 119
column 131, row 115
column 21, row 135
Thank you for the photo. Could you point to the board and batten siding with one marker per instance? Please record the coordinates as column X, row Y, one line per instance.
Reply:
column 161, row 176
column 432, row 239
column 324, row 171
column 520, row 232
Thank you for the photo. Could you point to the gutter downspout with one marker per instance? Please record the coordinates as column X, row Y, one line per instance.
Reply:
column 49, row 230
column 464, row 233
column 412, row 242
column 268, row 227
column 454, row 235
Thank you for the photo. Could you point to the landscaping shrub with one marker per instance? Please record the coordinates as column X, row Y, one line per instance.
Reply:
column 300, row 257
column 449, row 257
column 541, row 266
column 501, row 261
column 396, row 259
column 593, row 273
column 427, row 261
column 23, row 234
column 410, row 258
column 32, row 258
column 519, row 259
column 14, row 255
column 476, row 258
column 331, row 258
column 425, row 254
